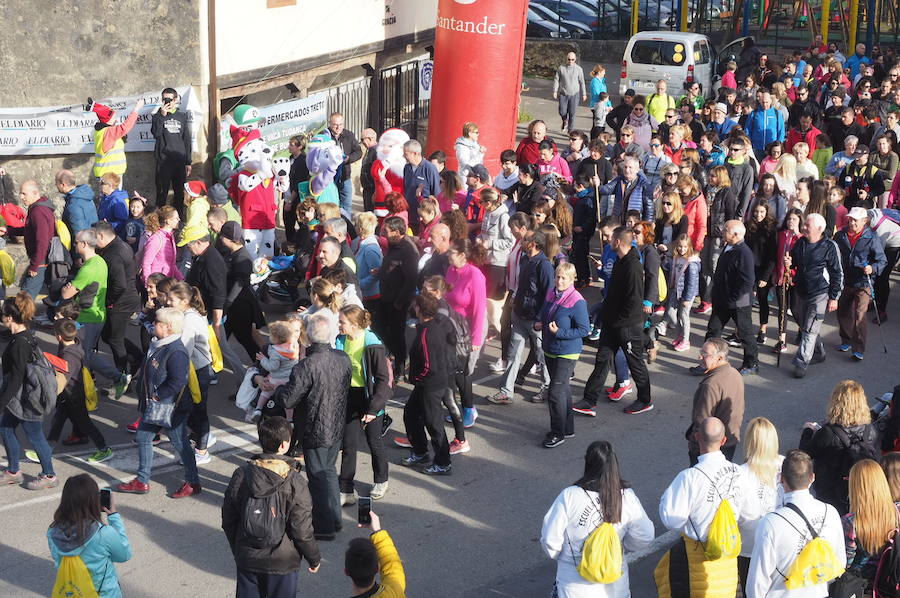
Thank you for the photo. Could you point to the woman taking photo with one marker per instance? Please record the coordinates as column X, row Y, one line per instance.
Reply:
column 599, row 496
column 370, row 390
column 848, row 422
column 563, row 323
column 761, row 239
column 164, row 378
column 78, row 531
column 22, row 408
column 871, row 521
column 159, row 247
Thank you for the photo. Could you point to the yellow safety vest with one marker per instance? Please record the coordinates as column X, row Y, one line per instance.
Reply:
column 111, row 161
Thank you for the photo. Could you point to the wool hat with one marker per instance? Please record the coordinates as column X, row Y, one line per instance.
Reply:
column 245, row 115
column 104, row 113
column 195, row 188
column 721, row 107
column 218, row 195
column 232, row 231
column 630, row 92
column 192, row 233
column 857, row 213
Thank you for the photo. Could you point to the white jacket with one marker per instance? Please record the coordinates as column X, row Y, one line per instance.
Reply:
column 778, row 543
column 691, row 500
column 468, row 154
column 572, row 517
column 769, row 498
column 496, row 236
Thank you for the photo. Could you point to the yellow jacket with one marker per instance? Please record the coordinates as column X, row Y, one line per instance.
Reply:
column 393, row 580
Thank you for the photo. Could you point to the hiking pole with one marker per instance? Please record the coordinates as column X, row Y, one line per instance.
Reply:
column 782, row 315
column 877, row 314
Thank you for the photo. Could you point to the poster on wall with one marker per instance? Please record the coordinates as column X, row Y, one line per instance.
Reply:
column 279, row 122
column 426, row 75
column 70, row 130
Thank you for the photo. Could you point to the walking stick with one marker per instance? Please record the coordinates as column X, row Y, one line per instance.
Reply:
column 877, row 314
column 597, row 194
column 782, row 315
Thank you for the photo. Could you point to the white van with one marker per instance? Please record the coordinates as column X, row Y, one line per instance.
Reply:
column 676, row 57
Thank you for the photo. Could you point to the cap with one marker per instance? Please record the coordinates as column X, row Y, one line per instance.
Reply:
column 857, row 213
column 232, row 231
column 861, row 150
column 192, row 233
column 245, row 115
column 218, row 195
column 630, row 92
column 721, row 107
column 481, row 172
column 195, row 188
column 104, row 113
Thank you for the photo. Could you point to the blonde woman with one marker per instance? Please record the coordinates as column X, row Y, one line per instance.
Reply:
column 806, row 168
column 848, row 423
column 872, row 518
column 326, row 300
column 762, row 466
column 785, row 174
column 468, row 151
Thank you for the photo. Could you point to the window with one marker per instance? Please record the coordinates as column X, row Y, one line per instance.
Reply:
column 701, row 53
column 657, row 52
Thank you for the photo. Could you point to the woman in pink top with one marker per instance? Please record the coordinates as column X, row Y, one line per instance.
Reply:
column 158, row 253
column 552, row 163
column 773, row 154
column 468, row 297
column 452, row 195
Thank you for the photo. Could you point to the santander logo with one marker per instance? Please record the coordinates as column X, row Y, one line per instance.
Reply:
column 465, row 1
column 481, row 26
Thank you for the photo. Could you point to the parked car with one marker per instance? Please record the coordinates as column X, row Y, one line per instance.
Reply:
column 538, row 27
column 676, row 57
column 577, row 30
column 600, row 15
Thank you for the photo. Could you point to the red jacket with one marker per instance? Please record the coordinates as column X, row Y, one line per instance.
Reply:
column 528, row 153
column 40, row 227
column 795, row 135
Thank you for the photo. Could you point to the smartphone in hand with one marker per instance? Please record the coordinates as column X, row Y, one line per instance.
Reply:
column 364, row 506
column 105, row 498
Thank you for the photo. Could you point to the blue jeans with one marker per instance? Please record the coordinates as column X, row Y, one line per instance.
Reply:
column 559, row 399
column 266, row 585
column 33, row 284
column 321, row 471
column 35, row 433
column 522, row 331
column 345, row 193
column 90, row 338
column 178, row 436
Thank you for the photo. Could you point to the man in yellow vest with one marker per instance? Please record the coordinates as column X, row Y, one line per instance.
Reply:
column 659, row 102
column 109, row 140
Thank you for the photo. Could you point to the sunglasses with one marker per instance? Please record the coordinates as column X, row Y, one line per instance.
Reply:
column 671, row 174
column 638, row 109
column 655, row 145
column 626, row 135
column 736, row 149
column 667, row 203
column 671, row 115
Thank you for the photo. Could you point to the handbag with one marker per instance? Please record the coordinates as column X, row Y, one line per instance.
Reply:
column 159, row 413
column 848, row 585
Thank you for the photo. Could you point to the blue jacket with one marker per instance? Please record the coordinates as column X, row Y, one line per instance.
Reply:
column 134, row 228
column 764, row 127
column 585, row 212
column 684, row 280
column 536, row 277
column 114, row 209
column 164, row 374
column 79, row 212
column 105, row 545
column 570, row 313
column 641, row 194
column 868, row 251
column 854, row 62
column 716, row 157
column 368, row 256
column 598, row 86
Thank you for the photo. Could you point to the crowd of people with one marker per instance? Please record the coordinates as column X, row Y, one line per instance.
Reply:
column 696, row 207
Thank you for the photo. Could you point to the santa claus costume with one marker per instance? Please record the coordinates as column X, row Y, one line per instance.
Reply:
column 387, row 169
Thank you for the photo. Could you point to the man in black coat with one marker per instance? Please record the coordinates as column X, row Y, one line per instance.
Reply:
column 122, row 299
column 397, row 278
column 352, row 152
column 622, row 319
column 317, row 392
column 208, row 272
column 619, row 115
column 369, row 139
column 732, row 295
column 172, row 150
column 241, row 303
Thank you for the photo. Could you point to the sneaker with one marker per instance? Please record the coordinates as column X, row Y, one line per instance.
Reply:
column 435, row 469
column 414, row 459
column 594, row 334
column 133, row 426
column 211, row 440
column 8, row 479
column 704, row 308
column 697, row 370
column 121, row 385
column 498, row 367
column 378, row 490
column 402, row 442
column 203, row 458
column 843, row 348
column 214, row 379
column 540, row 396
column 135, row 486
column 857, row 356
column 799, row 372
column 553, row 441
column 585, row 408
column 682, row 346
column 43, row 482
column 659, row 310
column 749, row 370
column 187, row 490
column 457, row 447
column 32, row 456
column 638, row 407
column 348, row 498
column 761, row 337
column 732, row 340
column 617, row 392
column 779, row 347
column 470, row 414
column 156, row 440
column 535, row 370
column 100, row 455
column 499, row 398
column 572, row 435
column 72, row 440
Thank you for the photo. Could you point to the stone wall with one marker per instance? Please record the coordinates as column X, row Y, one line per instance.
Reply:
column 542, row 57
column 63, row 51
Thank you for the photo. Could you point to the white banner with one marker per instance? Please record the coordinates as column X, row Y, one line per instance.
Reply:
column 426, row 75
column 70, row 130
column 280, row 122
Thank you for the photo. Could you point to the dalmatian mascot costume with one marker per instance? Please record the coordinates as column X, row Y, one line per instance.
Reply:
column 387, row 170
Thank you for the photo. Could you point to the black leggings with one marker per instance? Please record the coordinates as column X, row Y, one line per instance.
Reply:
column 75, row 409
column 762, row 297
column 240, row 324
column 113, row 334
column 198, row 420
column 357, row 407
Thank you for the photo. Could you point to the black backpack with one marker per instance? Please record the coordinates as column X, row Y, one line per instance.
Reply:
column 463, row 338
column 887, row 575
column 263, row 524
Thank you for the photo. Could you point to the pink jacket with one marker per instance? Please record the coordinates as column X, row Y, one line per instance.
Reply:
column 696, row 211
column 556, row 165
column 469, row 299
column 159, row 256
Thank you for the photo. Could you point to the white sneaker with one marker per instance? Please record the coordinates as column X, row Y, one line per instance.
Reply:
column 535, row 370
column 211, row 440
column 498, row 367
column 378, row 490
column 348, row 498
column 203, row 458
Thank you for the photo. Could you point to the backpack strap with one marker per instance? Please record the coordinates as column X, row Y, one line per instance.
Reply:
column 796, row 510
